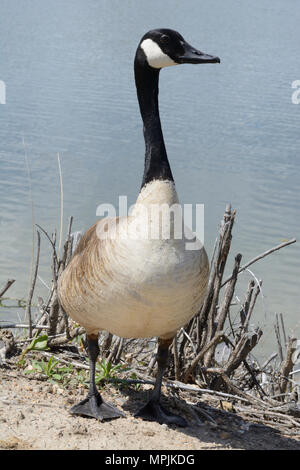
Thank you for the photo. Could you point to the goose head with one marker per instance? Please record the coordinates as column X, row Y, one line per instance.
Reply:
column 161, row 48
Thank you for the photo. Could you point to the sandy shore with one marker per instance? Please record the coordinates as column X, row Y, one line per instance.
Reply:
column 34, row 415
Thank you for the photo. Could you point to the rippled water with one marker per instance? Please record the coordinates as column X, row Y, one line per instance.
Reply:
column 231, row 130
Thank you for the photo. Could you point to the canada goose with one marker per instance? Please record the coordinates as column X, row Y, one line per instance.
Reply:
column 134, row 286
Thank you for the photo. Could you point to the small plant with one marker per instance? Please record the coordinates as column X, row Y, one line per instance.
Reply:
column 137, row 386
column 82, row 377
column 50, row 369
column 39, row 343
column 106, row 371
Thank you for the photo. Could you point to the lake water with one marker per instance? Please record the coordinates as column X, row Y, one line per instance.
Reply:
column 231, row 130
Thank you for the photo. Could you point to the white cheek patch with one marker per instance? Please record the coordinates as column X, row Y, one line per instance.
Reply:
column 155, row 56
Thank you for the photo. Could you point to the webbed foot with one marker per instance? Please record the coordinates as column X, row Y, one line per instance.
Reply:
column 95, row 407
column 154, row 411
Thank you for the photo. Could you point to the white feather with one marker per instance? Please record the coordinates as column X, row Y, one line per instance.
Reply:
column 155, row 56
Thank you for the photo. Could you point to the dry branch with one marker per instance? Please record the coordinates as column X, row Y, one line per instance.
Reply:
column 61, row 339
column 9, row 282
column 251, row 306
column 201, row 354
column 262, row 255
column 277, row 333
column 31, row 290
column 23, row 325
column 207, row 315
column 287, row 365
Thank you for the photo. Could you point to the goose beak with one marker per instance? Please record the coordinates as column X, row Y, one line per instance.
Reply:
column 194, row 56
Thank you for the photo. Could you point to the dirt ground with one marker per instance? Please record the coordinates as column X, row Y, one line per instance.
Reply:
column 34, row 415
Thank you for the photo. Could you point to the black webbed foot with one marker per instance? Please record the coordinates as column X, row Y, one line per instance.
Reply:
column 154, row 411
column 95, row 407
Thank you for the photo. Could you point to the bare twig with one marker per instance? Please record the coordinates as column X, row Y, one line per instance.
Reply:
column 61, row 204
column 277, row 333
column 262, row 255
column 59, row 340
column 50, row 240
column 9, row 282
column 176, row 358
column 283, row 329
column 67, row 252
column 273, row 414
column 267, row 362
column 245, row 308
column 23, row 325
column 247, row 342
column 287, row 365
column 223, row 310
column 31, row 290
column 251, row 307
column 200, row 355
column 206, row 318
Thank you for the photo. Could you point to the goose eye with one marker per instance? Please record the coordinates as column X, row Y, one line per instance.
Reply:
column 164, row 39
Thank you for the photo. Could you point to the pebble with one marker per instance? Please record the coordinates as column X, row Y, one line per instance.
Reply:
column 149, row 433
column 70, row 400
column 78, row 428
column 20, row 415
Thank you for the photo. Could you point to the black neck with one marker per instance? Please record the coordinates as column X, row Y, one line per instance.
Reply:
column 156, row 160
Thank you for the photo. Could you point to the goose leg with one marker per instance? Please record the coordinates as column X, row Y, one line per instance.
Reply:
column 93, row 405
column 153, row 410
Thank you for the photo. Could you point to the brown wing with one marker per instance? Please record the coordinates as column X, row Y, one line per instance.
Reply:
column 88, row 236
